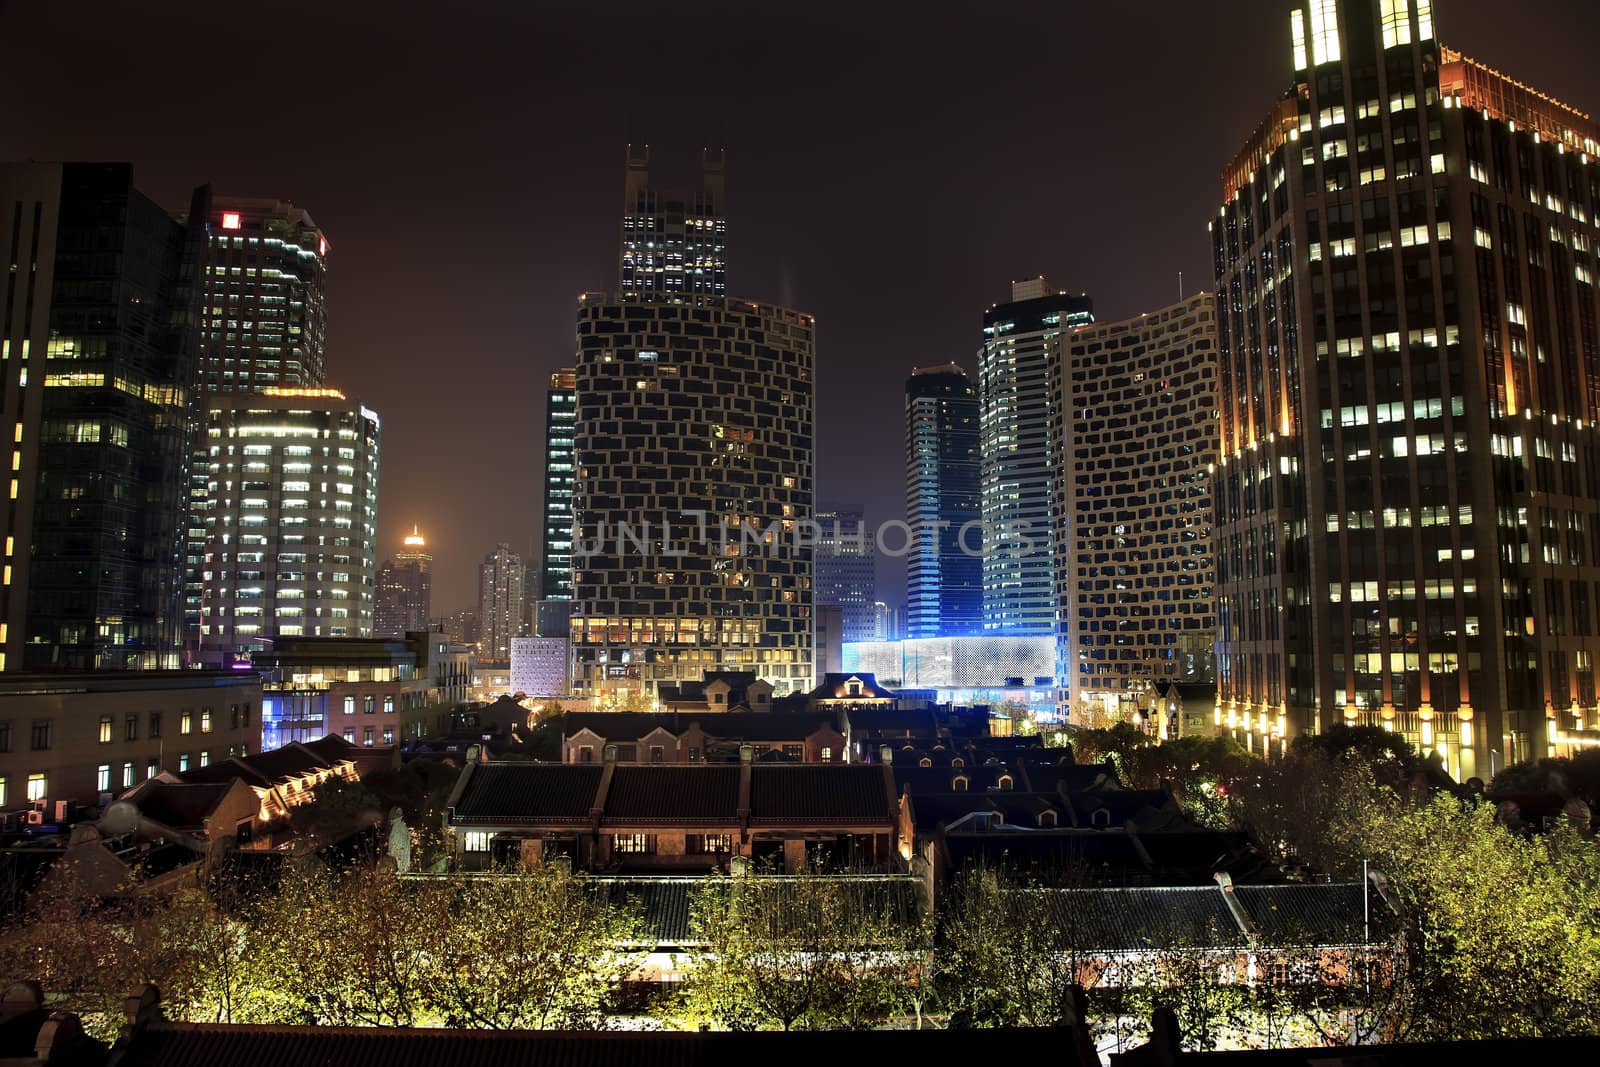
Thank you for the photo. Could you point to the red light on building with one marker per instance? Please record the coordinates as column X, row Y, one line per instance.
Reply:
column 230, row 220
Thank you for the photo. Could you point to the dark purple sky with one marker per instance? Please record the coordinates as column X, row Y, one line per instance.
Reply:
column 892, row 167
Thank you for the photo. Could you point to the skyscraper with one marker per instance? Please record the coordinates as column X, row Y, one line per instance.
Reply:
column 262, row 325
column 1136, row 427
column 944, row 573
column 555, row 588
column 670, row 243
column 695, row 411
column 1020, row 341
column 500, row 603
column 404, row 590
column 844, row 572
column 98, row 356
column 1407, row 492
column 292, row 528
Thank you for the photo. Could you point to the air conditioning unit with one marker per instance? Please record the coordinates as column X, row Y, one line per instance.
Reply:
column 41, row 804
column 35, row 818
column 63, row 810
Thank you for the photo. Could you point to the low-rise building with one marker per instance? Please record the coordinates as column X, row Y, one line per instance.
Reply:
column 718, row 691
column 369, row 691
column 287, row 777
column 610, row 817
column 705, row 737
column 84, row 737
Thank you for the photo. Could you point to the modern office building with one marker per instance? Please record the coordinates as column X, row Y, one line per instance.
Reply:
column 1408, row 495
column 844, row 570
column 695, row 413
column 1021, row 340
column 541, row 666
column 673, row 244
column 404, row 590
column 1136, row 432
column 885, row 622
column 944, row 572
column 500, row 603
column 98, row 359
column 292, row 530
column 262, row 324
column 369, row 691
column 964, row 671
column 560, row 409
column 84, row 736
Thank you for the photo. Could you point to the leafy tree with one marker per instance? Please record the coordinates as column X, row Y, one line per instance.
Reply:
column 804, row 951
column 534, row 950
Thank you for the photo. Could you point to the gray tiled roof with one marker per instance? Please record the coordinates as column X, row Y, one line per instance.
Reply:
column 1313, row 913
column 838, row 794
column 528, row 792
column 1138, row 918
column 676, row 794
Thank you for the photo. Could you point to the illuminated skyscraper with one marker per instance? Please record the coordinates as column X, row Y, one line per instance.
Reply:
column 1136, row 425
column 1408, row 494
column 500, row 603
column 673, row 244
column 98, row 360
column 1020, row 341
column 292, row 530
column 844, row 572
column 404, row 590
column 944, row 573
column 555, row 587
column 262, row 325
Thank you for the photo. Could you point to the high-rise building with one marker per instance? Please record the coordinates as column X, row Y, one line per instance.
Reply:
column 1407, row 490
column 673, row 244
column 844, row 572
column 500, row 603
column 711, row 430
column 1021, row 340
column 944, row 573
column 292, row 530
column 694, row 433
column 1136, row 426
column 885, row 622
column 98, row 359
column 560, row 409
column 404, row 590
column 461, row 628
column 262, row 325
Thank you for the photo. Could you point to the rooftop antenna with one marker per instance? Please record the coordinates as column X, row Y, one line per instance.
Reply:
column 1180, row 287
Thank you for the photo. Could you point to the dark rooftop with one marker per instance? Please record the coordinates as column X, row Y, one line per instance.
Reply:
column 676, row 794
column 181, row 805
column 528, row 792
column 819, row 793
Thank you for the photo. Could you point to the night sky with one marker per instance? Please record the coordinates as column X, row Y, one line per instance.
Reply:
column 892, row 167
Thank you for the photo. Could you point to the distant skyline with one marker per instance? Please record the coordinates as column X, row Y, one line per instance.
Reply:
column 467, row 166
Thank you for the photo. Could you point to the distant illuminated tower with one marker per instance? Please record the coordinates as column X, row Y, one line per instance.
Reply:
column 404, row 586
column 1021, row 339
column 500, row 603
column 844, row 571
column 673, row 244
column 555, row 585
column 944, row 574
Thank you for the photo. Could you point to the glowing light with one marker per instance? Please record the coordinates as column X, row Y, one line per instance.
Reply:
column 230, row 220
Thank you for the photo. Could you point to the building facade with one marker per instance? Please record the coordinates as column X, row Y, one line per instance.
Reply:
column 1021, row 341
column 262, row 324
column 99, row 351
column 560, row 410
column 500, row 603
column 964, row 671
column 944, row 573
column 541, row 666
column 366, row 690
column 672, row 244
column 844, row 572
column 292, row 530
column 1136, row 431
column 83, row 737
column 1407, row 501
column 405, row 589
column 694, row 414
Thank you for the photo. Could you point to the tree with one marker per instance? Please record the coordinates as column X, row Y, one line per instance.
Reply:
column 351, row 948
column 532, row 950
column 1003, row 958
column 805, row 951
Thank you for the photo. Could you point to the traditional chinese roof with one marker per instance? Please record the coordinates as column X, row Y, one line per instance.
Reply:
column 677, row 794
column 527, row 792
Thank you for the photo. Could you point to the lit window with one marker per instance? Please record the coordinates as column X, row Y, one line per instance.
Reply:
column 477, row 841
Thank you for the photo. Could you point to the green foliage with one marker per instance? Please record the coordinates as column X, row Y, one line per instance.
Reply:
column 533, row 950
column 800, row 952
